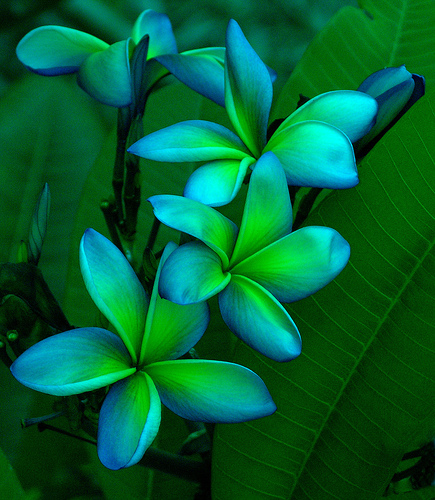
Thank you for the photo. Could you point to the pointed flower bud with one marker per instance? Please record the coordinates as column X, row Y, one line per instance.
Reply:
column 395, row 90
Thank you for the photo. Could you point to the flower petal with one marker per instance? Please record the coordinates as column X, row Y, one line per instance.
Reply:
column 129, row 421
column 193, row 273
column 114, row 287
column 202, row 70
column 256, row 317
column 248, row 89
column 353, row 112
column 391, row 103
column 315, row 154
column 299, row 264
column 211, row 391
column 73, row 362
column 159, row 28
column 105, row 75
column 55, row 50
column 268, row 212
column 218, row 182
column 171, row 329
column 198, row 220
column 385, row 79
column 192, row 140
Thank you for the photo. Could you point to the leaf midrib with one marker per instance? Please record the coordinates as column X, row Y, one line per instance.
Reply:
column 399, row 30
column 346, row 382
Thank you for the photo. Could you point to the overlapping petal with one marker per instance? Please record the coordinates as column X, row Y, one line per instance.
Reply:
column 299, row 264
column 315, row 154
column 198, row 220
column 129, row 421
column 353, row 112
column 256, row 317
column 55, row 50
column 211, row 391
column 248, row 93
column 159, row 28
column 218, row 182
column 192, row 140
column 393, row 88
column 202, row 70
column 193, row 273
column 114, row 287
column 268, row 213
column 171, row 329
column 73, row 362
column 385, row 79
column 105, row 75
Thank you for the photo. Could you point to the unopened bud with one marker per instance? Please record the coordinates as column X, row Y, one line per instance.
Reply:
column 395, row 90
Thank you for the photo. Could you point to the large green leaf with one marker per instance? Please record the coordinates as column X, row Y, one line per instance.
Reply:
column 358, row 42
column 10, row 487
column 50, row 131
column 362, row 392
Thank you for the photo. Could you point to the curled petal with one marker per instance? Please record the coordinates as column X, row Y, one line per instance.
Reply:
column 315, row 154
column 218, row 182
column 171, row 329
column 248, row 91
column 106, row 75
column 129, row 421
column 114, row 287
column 211, row 391
column 198, row 220
column 159, row 28
column 192, row 140
column 256, row 317
column 193, row 273
column 353, row 112
column 73, row 362
column 384, row 79
column 55, row 50
column 299, row 264
column 202, row 70
column 391, row 103
column 268, row 213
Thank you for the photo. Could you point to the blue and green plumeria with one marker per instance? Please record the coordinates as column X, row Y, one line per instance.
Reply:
column 252, row 270
column 103, row 70
column 394, row 90
column 314, row 144
column 140, row 361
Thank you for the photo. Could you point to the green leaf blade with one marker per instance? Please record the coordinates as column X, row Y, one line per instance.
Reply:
column 358, row 42
column 362, row 393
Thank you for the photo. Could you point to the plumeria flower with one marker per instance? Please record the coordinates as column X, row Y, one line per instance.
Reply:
column 314, row 144
column 254, row 269
column 103, row 70
column 395, row 90
column 140, row 361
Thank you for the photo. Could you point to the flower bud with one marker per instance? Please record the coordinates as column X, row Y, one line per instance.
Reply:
column 395, row 90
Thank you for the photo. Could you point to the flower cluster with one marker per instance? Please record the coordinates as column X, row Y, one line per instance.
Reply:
column 253, row 269
column 141, row 361
column 313, row 144
column 104, row 71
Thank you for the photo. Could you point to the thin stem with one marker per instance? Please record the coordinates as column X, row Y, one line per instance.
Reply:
column 42, row 426
column 3, row 352
column 111, row 217
column 176, row 465
column 123, row 128
column 153, row 234
column 131, row 192
column 305, row 207
column 27, row 422
column 161, row 460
